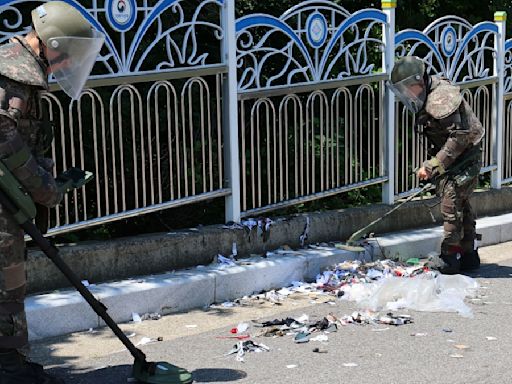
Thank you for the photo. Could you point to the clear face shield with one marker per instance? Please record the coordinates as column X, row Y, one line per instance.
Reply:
column 411, row 92
column 71, row 60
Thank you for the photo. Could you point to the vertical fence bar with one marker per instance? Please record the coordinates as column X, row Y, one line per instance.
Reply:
column 388, row 191
column 500, row 18
column 230, row 113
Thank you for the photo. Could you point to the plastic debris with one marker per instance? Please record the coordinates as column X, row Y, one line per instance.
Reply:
column 240, row 328
column 301, row 337
column 319, row 350
column 491, row 338
column 456, row 356
column 242, row 347
column 349, row 364
column 320, row 338
column 225, row 261
column 136, row 318
column 305, row 233
column 151, row 316
column 191, row 326
column 145, row 340
column 461, row 346
column 291, row 366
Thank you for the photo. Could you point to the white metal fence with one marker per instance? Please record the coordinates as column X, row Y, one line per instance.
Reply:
column 187, row 103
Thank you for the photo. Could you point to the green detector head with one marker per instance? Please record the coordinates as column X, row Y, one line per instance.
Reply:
column 160, row 373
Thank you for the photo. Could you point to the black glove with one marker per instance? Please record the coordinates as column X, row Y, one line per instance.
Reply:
column 72, row 178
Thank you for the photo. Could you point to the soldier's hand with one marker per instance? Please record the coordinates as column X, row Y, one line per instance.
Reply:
column 423, row 174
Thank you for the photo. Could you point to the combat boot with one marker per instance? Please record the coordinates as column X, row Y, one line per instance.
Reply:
column 446, row 264
column 15, row 369
column 470, row 260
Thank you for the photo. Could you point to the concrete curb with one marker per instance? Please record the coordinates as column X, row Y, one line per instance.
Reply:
column 420, row 242
column 64, row 312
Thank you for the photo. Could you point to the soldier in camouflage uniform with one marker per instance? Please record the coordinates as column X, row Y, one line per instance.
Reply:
column 454, row 135
column 25, row 62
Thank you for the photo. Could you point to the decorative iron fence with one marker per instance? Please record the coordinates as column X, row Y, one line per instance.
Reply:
column 187, row 103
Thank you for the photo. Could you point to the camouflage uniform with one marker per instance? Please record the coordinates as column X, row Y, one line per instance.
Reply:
column 454, row 134
column 22, row 76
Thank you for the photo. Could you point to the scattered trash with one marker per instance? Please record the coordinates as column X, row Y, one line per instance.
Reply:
column 242, row 347
column 237, row 337
column 395, row 319
column 349, row 364
column 191, row 326
column 234, row 251
column 318, row 350
column 491, row 338
column 146, row 340
column 240, row 328
column 320, row 338
column 85, row 283
column 151, row 316
column 291, row 366
column 130, row 335
column 456, row 356
column 305, row 233
column 447, row 330
column 419, row 334
column 228, row 304
column 136, row 318
column 224, row 261
column 301, row 337
column 461, row 346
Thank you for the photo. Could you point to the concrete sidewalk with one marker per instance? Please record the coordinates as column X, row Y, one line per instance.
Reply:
column 63, row 312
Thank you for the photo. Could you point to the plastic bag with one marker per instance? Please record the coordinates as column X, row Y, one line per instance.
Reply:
column 441, row 293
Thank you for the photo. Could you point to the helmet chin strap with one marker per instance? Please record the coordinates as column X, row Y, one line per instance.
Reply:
column 41, row 53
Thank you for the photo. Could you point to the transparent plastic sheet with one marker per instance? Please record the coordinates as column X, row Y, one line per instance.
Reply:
column 428, row 293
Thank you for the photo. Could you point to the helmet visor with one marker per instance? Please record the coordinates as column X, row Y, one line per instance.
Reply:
column 411, row 92
column 71, row 60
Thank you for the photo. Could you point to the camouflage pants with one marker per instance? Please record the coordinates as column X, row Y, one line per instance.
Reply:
column 458, row 216
column 13, row 324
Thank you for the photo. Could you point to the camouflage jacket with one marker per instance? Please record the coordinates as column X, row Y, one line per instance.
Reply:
column 22, row 77
column 452, row 129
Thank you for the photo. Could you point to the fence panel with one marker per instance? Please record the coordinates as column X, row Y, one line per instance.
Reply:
column 149, row 123
column 310, row 88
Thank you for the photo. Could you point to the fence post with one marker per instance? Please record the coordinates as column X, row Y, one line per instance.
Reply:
column 500, row 18
column 388, row 38
column 230, row 114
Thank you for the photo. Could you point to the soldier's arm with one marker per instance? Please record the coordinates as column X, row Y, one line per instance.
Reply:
column 458, row 141
column 17, row 156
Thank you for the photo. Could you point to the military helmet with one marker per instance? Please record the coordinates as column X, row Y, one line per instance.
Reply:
column 71, row 44
column 57, row 19
column 407, row 67
column 408, row 84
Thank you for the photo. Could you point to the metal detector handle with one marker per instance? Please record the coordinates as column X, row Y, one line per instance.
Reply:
column 357, row 235
column 53, row 255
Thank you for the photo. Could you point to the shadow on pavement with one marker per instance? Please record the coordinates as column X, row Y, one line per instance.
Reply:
column 491, row 271
column 112, row 375
column 120, row 374
column 213, row 375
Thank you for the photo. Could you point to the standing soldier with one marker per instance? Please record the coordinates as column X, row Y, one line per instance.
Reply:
column 454, row 135
column 61, row 42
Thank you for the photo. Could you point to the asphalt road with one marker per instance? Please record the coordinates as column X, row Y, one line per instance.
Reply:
column 354, row 354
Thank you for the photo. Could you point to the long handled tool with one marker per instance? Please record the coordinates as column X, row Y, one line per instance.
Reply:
column 352, row 242
column 144, row 371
